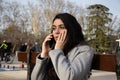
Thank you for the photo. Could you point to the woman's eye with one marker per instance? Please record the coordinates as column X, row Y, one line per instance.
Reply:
column 53, row 28
column 62, row 27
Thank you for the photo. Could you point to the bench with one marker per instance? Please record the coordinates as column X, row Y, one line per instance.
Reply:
column 105, row 62
column 22, row 56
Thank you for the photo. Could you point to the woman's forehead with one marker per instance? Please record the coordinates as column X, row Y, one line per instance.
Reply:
column 58, row 22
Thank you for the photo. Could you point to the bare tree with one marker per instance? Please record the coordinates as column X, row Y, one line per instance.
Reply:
column 15, row 22
column 37, row 18
column 1, row 6
column 11, row 13
column 42, row 14
column 48, row 9
column 34, row 19
column 1, row 9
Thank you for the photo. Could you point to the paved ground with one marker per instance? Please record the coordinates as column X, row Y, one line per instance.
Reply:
column 21, row 73
column 103, row 75
column 18, row 73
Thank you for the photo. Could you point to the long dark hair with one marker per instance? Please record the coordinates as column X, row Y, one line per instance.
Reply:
column 74, row 31
column 74, row 37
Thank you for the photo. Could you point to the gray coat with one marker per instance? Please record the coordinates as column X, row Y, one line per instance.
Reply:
column 75, row 66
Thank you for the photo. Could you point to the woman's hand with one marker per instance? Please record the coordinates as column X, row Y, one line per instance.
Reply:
column 46, row 46
column 61, row 40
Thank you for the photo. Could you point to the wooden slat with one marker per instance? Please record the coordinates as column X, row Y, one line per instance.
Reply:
column 33, row 58
column 106, row 62
column 22, row 56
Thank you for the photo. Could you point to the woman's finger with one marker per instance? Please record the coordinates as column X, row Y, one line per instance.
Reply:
column 64, row 35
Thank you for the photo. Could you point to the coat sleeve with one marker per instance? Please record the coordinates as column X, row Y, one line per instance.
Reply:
column 77, row 68
column 38, row 72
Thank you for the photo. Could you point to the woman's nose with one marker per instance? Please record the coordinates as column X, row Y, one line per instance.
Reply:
column 57, row 31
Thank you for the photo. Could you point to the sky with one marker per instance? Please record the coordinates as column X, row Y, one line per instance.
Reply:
column 113, row 5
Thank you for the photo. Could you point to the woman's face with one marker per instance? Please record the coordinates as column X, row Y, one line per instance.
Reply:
column 57, row 28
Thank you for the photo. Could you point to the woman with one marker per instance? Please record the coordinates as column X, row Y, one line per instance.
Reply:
column 69, row 57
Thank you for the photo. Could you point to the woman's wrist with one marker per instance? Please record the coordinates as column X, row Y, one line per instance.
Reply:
column 43, row 55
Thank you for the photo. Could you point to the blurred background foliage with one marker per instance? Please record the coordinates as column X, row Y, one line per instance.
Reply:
column 29, row 23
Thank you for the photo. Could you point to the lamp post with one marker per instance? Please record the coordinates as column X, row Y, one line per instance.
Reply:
column 118, row 60
column 28, row 62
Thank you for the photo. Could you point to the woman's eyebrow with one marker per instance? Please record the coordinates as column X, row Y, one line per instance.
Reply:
column 61, row 25
column 58, row 25
column 53, row 25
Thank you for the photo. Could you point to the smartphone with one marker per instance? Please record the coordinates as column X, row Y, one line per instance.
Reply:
column 52, row 43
